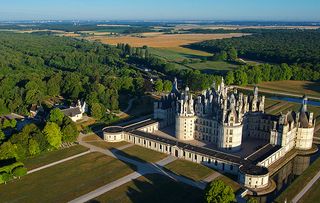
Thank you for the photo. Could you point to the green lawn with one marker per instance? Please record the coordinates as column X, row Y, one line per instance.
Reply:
column 299, row 183
column 142, row 154
column 65, row 181
column 49, row 157
column 108, row 145
column 189, row 169
column 178, row 53
column 213, row 65
column 228, row 181
column 313, row 195
column 152, row 188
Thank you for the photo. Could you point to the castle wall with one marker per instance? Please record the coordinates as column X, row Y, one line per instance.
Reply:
column 230, row 137
column 304, row 138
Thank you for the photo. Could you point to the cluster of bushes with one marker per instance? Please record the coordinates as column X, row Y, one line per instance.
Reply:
column 13, row 170
column 33, row 139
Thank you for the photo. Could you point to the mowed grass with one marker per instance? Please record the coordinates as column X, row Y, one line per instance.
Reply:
column 177, row 53
column 65, row 181
column 152, row 188
column 190, row 170
column 108, row 145
column 296, row 87
column 313, row 194
column 49, row 157
column 141, row 154
column 296, row 186
column 230, row 182
column 213, row 65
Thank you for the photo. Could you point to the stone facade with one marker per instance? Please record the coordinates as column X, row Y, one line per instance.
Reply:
column 225, row 117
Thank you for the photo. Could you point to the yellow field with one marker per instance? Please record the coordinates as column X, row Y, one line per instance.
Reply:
column 161, row 40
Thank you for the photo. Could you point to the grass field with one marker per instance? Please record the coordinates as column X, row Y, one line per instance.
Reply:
column 313, row 195
column 296, row 87
column 189, row 169
column 49, row 157
column 142, row 154
column 299, row 183
column 228, row 181
column 152, row 188
column 178, row 53
column 163, row 40
column 213, row 66
column 108, row 145
column 65, row 181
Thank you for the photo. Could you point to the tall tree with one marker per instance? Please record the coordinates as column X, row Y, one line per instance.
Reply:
column 217, row 192
column 158, row 85
column 53, row 134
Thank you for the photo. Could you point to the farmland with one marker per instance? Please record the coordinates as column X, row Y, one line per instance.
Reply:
column 161, row 40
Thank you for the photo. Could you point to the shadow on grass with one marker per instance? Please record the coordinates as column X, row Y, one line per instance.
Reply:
column 155, row 188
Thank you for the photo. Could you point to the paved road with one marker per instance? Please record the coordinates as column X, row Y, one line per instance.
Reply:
column 142, row 169
column 58, row 162
column 306, row 188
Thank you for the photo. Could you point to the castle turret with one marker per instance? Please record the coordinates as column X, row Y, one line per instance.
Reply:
column 305, row 127
column 185, row 117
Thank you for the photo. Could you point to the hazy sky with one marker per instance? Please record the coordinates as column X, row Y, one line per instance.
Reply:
column 287, row 10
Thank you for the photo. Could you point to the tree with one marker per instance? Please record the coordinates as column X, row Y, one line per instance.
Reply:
column 69, row 132
column 97, row 111
column 230, row 78
column 5, row 177
column 232, row 54
column 53, row 85
column 34, row 148
column 217, row 192
column 167, row 85
column 2, row 136
column 252, row 200
column 56, row 115
column 158, row 85
column 53, row 134
column 19, row 171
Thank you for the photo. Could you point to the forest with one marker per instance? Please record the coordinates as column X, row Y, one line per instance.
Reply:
column 279, row 46
column 34, row 68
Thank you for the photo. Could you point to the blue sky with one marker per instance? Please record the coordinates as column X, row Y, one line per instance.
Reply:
column 285, row 10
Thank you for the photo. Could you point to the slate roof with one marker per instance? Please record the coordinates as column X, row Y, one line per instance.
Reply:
column 71, row 112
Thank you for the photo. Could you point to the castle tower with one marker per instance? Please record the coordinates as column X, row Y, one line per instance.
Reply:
column 231, row 125
column 306, row 125
column 185, row 117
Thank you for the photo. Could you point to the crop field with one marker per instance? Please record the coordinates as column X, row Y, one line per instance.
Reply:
column 162, row 40
column 210, row 66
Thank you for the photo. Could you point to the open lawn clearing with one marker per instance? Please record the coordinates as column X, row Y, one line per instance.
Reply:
column 66, row 181
column 290, row 86
column 166, row 40
column 178, row 53
column 108, row 145
column 228, row 181
column 142, row 154
column 213, row 66
column 152, row 188
column 91, row 138
column 189, row 169
column 53, row 156
column 313, row 194
column 296, row 186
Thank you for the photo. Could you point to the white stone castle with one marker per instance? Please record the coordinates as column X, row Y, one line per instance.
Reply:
column 224, row 117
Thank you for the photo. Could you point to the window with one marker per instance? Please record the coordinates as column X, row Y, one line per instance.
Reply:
column 209, row 161
column 231, row 132
column 160, row 146
column 230, row 139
